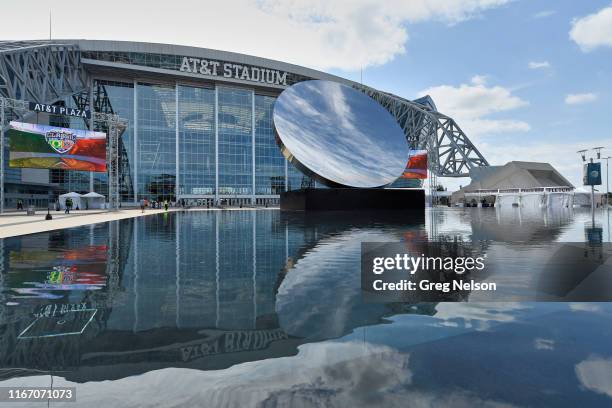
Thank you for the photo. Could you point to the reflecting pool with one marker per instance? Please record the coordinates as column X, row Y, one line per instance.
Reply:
column 263, row 308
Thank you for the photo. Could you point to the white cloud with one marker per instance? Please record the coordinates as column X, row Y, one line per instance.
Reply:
column 577, row 99
column 471, row 104
column 538, row 64
column 544, row 13
column 594, row 30
column 330, row 374
column 544, row 344
column 324, row 34
column 477, row 316
column 595, row 374
column 479, row 80
column 585, row 307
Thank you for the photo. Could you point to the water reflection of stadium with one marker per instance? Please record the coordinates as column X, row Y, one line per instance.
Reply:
column 205, row 290
column 200, row 290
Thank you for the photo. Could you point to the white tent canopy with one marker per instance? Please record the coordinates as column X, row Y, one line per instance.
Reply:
column 76, row 200
column 93, row 200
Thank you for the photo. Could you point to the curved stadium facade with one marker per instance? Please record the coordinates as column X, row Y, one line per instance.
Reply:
column 199, row 120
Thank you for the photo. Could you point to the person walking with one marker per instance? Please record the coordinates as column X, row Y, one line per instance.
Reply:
column 166, row 205
column 68, row 205
column 19, row 205
column 142, row 204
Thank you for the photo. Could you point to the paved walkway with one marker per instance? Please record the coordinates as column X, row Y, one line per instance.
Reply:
column 18, row 223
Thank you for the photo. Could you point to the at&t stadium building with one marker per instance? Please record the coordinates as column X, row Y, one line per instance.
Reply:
column 199, row 121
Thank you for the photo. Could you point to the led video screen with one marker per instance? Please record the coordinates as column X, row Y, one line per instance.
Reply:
column 50, row 147
column 417, row 165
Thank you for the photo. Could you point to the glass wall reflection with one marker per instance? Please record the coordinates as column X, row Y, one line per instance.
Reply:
column 156, row 142
column 269, row 162
column 211, row 289
column 250, row 166
column 116, row 299
column 196, row 112
column 235, row 141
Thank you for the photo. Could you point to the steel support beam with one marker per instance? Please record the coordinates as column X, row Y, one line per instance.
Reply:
column 451, row 153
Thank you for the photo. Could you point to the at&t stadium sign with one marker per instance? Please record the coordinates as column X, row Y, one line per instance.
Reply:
column 235, row 71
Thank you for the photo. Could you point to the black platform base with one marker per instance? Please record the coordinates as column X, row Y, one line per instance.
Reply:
column 351, row 199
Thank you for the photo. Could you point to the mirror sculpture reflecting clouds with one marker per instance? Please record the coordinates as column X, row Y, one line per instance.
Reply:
column 338, row 135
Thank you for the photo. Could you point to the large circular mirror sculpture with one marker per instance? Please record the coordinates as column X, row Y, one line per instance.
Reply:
column 339, row 136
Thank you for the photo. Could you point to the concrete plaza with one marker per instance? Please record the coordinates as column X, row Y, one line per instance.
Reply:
column 16, row 223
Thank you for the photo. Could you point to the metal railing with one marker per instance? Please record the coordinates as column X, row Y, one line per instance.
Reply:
column 555, row 189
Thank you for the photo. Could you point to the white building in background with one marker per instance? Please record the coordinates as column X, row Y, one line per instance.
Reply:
column 517, row 184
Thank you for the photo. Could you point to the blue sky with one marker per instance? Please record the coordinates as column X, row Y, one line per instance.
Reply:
column 525, row 79
column 500, row 44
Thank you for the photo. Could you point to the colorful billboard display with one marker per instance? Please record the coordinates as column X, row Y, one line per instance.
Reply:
column 417, row 165
column 50, row 147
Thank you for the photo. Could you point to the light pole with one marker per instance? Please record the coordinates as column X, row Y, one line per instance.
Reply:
column 2, row 103
column 598, row 151
column 607, row 159
column 583, row 155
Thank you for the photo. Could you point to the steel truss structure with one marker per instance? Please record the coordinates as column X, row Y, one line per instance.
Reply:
column 115, row 126
column 48, row 72
column 450, row 152
column 40, row 71
column 96, row 99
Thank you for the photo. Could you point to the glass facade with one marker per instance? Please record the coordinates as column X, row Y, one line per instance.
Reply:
column 295, row 178
column 196, row 111
column 196, row 120
column 156, row 142
column 235, row 121
column 222, row 136
column 269, row 162
column 120, row 99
